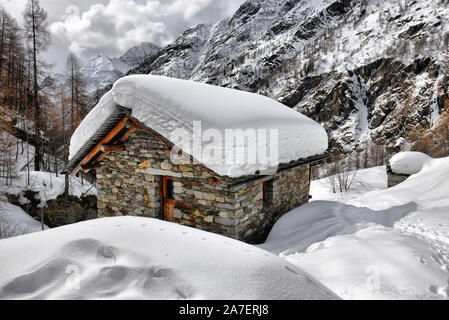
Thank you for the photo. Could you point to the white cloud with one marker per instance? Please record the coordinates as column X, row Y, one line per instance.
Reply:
column 117, row 25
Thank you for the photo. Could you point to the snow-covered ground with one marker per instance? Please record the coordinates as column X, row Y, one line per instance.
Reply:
column 365, row 180
column 374, row 243
column 48, row 187
column 384, row 244
column 14, row 221
column 142, row 258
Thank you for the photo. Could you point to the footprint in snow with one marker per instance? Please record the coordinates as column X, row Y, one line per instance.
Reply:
column 143, row 225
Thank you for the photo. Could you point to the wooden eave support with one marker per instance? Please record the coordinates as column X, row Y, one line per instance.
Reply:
column 87, row 168
column 119, row 127
column 133, row 128
column 107, row 148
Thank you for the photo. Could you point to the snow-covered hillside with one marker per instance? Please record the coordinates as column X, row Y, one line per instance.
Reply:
column 366, row 69
column 20, row 184
column 142, row 258
column 385, row 244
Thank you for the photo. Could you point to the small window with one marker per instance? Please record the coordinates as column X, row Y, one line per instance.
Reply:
column 265, row 195
column 268, row 194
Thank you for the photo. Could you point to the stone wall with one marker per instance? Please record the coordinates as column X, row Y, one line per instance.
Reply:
column 128, row 183
column 395, row 179
column 289, row 189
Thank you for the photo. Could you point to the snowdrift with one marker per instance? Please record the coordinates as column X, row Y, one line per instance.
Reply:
column 385, row 244
column 142, row 258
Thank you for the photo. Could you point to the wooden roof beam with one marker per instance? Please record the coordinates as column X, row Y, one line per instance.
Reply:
column 116, row 130
column 106, row 148
column 87, row 168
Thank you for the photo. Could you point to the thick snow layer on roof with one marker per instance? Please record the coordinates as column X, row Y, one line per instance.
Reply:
column 408, row 162
column 169, row 106
column 142, row 258
column 92, row 123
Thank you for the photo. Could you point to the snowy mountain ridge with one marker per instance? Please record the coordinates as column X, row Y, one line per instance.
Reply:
column 102, row 71
column 368, row 70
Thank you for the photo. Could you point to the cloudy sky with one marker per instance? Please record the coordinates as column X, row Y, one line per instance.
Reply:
column 89, row 27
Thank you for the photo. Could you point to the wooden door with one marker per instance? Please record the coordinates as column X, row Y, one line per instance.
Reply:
column 167, row 199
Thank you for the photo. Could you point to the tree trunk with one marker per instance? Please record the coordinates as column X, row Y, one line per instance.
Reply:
column 37, row 124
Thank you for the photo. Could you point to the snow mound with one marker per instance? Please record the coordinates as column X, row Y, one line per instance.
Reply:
column 359, row 252
column 14, row 221
column 408, row 162
column 142, row 258
column 377, row 263
column 316, row 221
column 169, row 105
column 429, row 188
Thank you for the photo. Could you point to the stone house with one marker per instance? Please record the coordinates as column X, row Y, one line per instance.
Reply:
column 136, row 176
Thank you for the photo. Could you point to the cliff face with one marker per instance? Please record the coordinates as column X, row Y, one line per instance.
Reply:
column 368, row 70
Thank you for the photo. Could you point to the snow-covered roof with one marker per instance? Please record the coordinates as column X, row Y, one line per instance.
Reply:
column 409, row 163
column 169, row 105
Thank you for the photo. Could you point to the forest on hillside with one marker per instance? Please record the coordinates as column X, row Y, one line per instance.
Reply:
column 36, row 112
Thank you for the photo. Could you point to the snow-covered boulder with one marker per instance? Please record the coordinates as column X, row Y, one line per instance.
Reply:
column 408, row 163
column 142, row 258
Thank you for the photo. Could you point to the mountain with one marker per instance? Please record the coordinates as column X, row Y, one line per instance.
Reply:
column 368, row 70
column 102, row 71
column 135, row 55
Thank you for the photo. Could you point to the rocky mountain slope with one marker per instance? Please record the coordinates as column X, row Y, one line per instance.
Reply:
column 368, row 70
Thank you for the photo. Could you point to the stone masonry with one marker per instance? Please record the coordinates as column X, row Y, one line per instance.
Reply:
column 128, row 183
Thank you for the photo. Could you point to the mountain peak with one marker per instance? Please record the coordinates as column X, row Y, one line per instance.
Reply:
column 137, row 54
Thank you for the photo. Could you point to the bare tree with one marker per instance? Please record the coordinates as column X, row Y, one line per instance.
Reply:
column 36, row 32
column 9, row 229
column 341, row 174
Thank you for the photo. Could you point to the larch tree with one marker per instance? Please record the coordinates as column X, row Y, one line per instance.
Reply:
column 77, row 92
column 36, row 32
